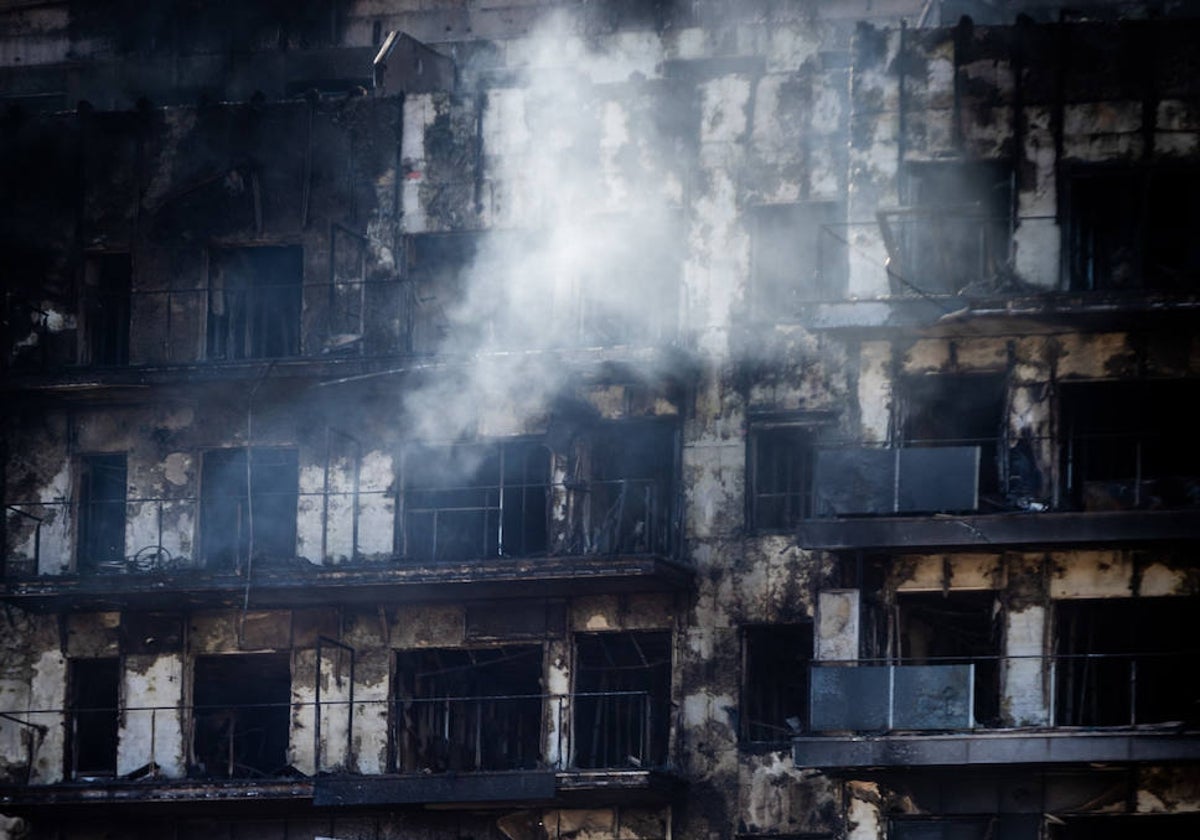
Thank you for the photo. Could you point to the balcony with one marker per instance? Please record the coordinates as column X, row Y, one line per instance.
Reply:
column 157, row 553
column 938, row 271
column 976, row 492
column 449, row 751
column 1087, row 707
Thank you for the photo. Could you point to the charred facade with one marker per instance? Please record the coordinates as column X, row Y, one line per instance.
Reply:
column 615, row 420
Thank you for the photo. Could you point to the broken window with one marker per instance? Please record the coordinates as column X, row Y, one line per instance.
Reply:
column 242, row 709
column 622, row 699
column 952, row 235
column 475, row 500
column 957, row 411
column 775, row 663
column 1145, row 239
column 781, row 475
column 468, row 709
column 107, row 281
column 1121, row 662
column 958, row 628
column 254, row 300
column 437, row 266
column 94, row 686
column 1129, row 445
column 248, row 505
column 102, row 513
column 622, row 489
column 799, row 255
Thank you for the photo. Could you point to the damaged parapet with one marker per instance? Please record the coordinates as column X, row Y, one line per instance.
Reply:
column 405, row 65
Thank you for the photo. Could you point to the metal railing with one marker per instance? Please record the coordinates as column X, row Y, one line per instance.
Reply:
column 1099, row 690
column 601, row 517
column 1030, row 474
column 589, row 730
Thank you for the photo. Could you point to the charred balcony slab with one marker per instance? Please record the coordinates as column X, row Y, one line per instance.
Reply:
column 1065, row 747
column 1016, row 529
column 300, row 583
column 574, row 787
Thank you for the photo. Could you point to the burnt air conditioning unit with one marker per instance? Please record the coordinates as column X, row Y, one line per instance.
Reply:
column 405, row 65
column 863, row 480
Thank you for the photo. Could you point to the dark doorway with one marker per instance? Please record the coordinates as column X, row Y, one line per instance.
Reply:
column 95, row 696
column 960, row 628
column 254, row 301
column 775, row 663
column 102, row 513
column 1126, row 661
column 468, row 709
column 242, row 709
column 248, row 508
column 622, row 699
column 107, row 284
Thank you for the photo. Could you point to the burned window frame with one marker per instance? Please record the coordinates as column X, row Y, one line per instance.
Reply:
column 1105, row 423
column 645, row 708
column 268, row 320
column 419, row 726
column 1093, row 244
column 270, row 720
column 797, row 441
column 1128, row 646
column 425, row 282
column 492, row 499
column 106, row 303
column 986, row 711
column 767, row 686
column 210, row 530
column 917, row 400
column 822, row 274
column 99, row 517
column 92, row 727
column 945, row 214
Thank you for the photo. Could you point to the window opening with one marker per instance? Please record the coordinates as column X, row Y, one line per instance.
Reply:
column 102, row 513
column 1134, row 229
column 95, row 697
column 775, row 663
column 438, row 266
column 953, row 235
column 622, row 699
column 799, row 255
column 468, row 709
column 106, row 305
column 958, row 411
column 475, row 500
column 237, row 517
column 242, row 711
column 254, row 302
column 626, row 499
column 1121, row 662
column 1129, row 446
column 959, row 628
column 781, row 460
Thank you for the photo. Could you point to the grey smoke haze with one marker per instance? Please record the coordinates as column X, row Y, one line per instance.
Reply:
column 589, row 231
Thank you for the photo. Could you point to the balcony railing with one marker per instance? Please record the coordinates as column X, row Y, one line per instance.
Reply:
column 613, row 730
column 599, row 517
column 967, row 694
column 991, row 475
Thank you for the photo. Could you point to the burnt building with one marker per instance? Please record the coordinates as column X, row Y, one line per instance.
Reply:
column 599, row 420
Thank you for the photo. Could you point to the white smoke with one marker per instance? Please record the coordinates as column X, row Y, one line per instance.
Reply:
column 585, row 170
